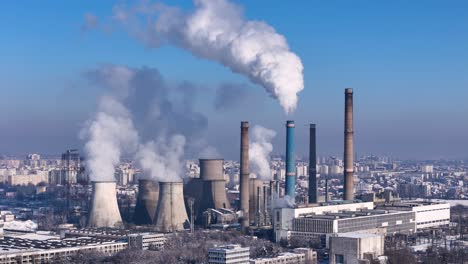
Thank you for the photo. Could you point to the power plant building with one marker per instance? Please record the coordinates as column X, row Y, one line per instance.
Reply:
column 314, row 222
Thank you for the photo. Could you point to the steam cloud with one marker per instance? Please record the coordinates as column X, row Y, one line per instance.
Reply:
column 108, row 134
column 162, row 158
column 260, row 150
column 217, row 30
column 140, row 100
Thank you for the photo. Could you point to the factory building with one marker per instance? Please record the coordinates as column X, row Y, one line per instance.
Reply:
column 428, row 214
column 313, row 223
column 283, row 217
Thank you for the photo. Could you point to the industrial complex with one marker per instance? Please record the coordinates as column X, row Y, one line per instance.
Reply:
column 271, row 209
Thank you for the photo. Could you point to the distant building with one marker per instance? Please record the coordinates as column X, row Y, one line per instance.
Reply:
column 427, row 168
column 33, row 179
column 229, row 254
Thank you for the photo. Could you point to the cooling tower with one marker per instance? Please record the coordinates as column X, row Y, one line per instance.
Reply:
column 290, row 166
column 147, row 202
column 171, row 215
column 104, row 208
column 211, row 169
column 348, row 147
column 214, row 186
column 312, row 165
column 244, row 174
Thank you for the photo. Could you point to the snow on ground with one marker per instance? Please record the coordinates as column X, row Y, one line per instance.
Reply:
column 28, row 225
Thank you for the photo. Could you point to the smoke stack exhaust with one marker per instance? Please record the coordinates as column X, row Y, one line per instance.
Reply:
column 171, row 214
column 104, row 208
column 348, row 147
column 147, row 202
column 312, row 165
column 244, row 174
column 290, row 162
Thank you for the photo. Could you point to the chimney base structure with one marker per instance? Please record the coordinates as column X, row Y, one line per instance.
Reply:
column 104, row 207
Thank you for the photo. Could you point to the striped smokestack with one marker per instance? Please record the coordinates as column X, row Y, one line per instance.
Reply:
column 290, row 166
column 348, row 147
column 312, row 165
column 244, row 174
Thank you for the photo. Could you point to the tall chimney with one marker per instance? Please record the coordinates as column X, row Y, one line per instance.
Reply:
column 259, row 211
column 348, row 147
column 312, row 165
column 290, row 166
column 244, row 174
column 104, row 208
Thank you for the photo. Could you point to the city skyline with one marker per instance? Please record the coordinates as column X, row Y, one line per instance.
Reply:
column 415, row 59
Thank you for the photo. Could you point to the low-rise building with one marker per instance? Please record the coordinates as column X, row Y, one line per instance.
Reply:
column 146, row 241
column 229, row 254
column 282, row 258
column 356, row 248
column 23, row 250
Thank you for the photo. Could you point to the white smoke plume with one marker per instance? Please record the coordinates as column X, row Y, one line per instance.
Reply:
column 140, row 100
column 109, row 134
column 285, row 202
column 161, row 159
column 217, row 30
column 259, row 152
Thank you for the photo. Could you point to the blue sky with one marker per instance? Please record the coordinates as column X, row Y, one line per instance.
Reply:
column 406, row 60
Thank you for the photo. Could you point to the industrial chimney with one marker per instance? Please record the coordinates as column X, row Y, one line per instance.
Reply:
column 312, row 165
column 147, row 202
column 171, row 215
column 348, row 147
column 244, row 174
column 290, row 163
column 214, row 186
column 104, row 208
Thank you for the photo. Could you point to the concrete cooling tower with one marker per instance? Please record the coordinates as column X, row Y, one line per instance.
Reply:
column 214, row 185
column 147, row 202
column 171, row 214
column 104, row 208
